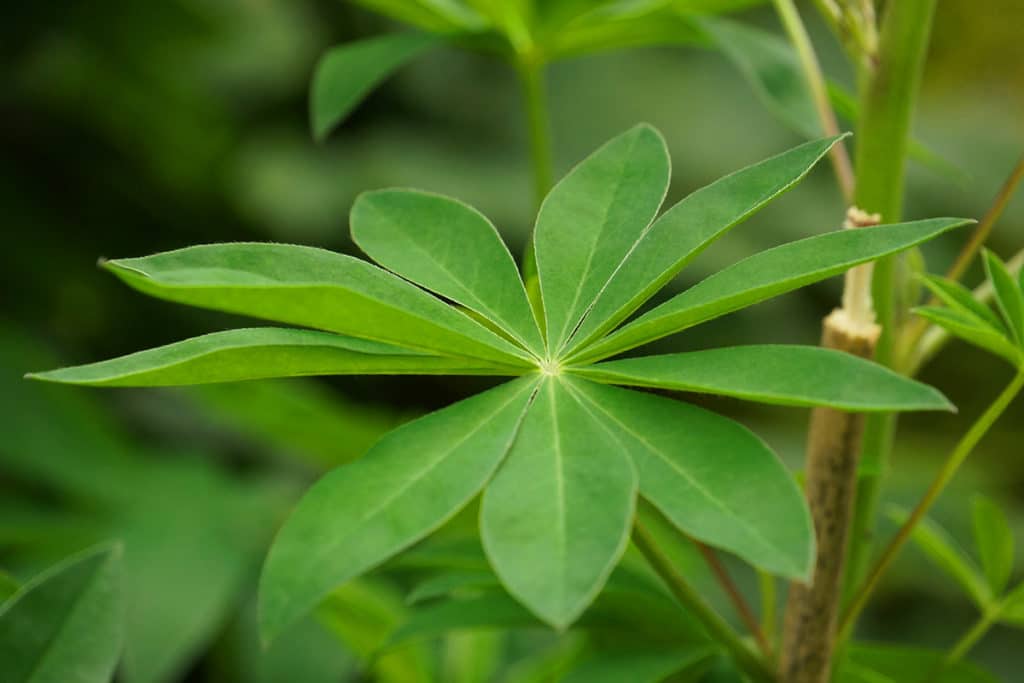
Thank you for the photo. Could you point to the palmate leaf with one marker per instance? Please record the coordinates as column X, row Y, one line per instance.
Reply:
column 590, row 221
column 557, row 516
column 711, row 477
column 448, row 248
column 766, row 275
column 407, row 485
column 346, row 74
column 314, row 288
column 783, row 375
column 66, row 624
column 263, row 352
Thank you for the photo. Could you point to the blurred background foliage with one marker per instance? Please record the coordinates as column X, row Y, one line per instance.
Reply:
column 130, row 128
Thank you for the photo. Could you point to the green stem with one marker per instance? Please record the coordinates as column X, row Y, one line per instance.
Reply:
column 882, row 140
column 531, row 76
column 797, row 33
column 719, row 629
column 949, row 469
column 967, row 641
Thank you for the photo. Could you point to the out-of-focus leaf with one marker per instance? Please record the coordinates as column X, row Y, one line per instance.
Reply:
column 490, row 611
column 994, row 539
column 472, row 656
column 622, row 25
column 261, row 353
column 1008, row 295
column 66, row 624
column 971, row 330
column 784, row 375
column 338, row 293
column 449, row 248
column 710, row 476
column 361, row 514
column 8, row 586
column 766, row 275
column 613, row 666
column 347, row 73
column 591, row 219
column 441, row 585
column 1013, row 607
column 557, row 516
column 892, row 664
column 948, row 556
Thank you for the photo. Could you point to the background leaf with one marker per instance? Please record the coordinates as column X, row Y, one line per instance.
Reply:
column 347, row 73
column 66, row 624
column 407, row 485
column 613, row 666
column 994, row 539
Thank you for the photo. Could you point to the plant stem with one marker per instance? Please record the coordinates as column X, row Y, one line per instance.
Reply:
column 719, row 629
column 887, row 104
column 766, row 584
column 531, row 76
column 949, row 468
column 797, row 33
column 967, row 641
column 735, row 597
column 916, row 330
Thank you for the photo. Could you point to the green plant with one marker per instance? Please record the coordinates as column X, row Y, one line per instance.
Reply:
column 559, row 454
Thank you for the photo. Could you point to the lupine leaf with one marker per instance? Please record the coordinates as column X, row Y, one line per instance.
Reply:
column 557, row 516
column 1008, row 295
column 347, row 73
column 971, row 330
column 934, row 542
column 711, row 477
column 784, row 375
column 407, row 485
column 1013, row 607
column 259, row 353
column 436, row 16
column 314, row 288
column 688, row 228
column 896, row 664
column 614, row 666
column 441, row 585
column 994, row 539
column 766, row 275
column 66, row 624
column 492, row 610
column 8, row 586
column 962, row 300
column 449, row 248
column 591, row 219
column 620, row 25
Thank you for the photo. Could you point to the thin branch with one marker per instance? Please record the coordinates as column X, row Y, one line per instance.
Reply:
column 740, row 603
column 746, row 658
column 797, row 33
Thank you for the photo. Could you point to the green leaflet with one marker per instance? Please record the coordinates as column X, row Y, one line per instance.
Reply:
column 941, row 549
column 446, row 583
column 437, row 16
column 66, row 624
column 765, row 275
column 893, row 664
column 1009, row 296
column 558, row 514
column 1013, row 607
column 449, row 248
column 314, row 288
column 972, row 330
column 962, row 300
column 489, row 611
column 590, row 220
column 615, row 666
column 994, row 540
column 347, row 73
column 8, row 586
column 262, row 352
column 407, row 485
column 784, row 375
column 711, row 477
column 622, row 25
column 688, row 228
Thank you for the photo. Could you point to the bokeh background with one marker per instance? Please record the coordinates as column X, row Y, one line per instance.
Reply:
column 128, row 128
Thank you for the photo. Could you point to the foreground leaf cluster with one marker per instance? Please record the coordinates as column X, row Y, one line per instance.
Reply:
column 559, row 453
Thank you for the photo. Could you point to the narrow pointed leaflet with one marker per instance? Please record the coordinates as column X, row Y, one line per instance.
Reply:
column 407, row 485
column 448, row 248
column 1009, row 296
column 590, row 221
column 557, row 516
column 314, row 288
column 686, row 229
